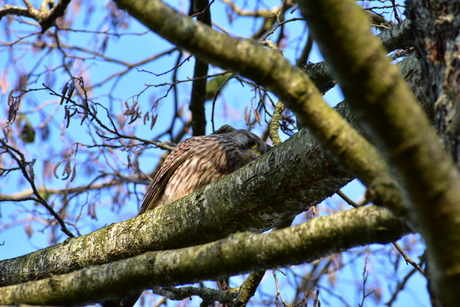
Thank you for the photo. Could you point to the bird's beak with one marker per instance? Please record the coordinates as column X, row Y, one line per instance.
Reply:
column 255, row 154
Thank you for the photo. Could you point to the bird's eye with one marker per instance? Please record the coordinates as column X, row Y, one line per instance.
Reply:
column 252, row 143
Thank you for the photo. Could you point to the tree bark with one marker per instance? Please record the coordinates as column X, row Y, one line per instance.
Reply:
column 277, row 192
column 435, row 28
column 237, row 254
column 270, row 69
column 201, row 9
column 427, row 175
column 281, row 184
column 435, row 31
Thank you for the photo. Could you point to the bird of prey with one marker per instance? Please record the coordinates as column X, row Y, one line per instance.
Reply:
column 195, row 162
column 198, row 161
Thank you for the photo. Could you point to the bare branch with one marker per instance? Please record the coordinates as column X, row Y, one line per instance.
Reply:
column 46, row 15
column 27, row 172
column 289, row 246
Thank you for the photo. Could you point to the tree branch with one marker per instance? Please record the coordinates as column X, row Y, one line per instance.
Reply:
column 27, row 170
column 248, row 288
column 239, row 253
column 46, row 15
column 292, row 86
column 177, row 294
column 267, row 203
column 426, row 174
column 397, row 36
column 201, row 9
column 275, row 188
column 14, row 10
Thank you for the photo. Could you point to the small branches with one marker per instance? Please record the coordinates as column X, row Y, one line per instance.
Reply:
column 28, row 173
column 88, row 109
column 395, row 244
column 302, row 302
column 46, row 15
column 408, row 259
column 365, row 294
column 208, row 294
column 400, row 286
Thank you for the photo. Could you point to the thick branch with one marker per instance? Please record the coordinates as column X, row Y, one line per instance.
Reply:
column 290, row 84
column 240, row 253
column 295, row 192
column 279, row 185
column 397, row 37
column 436, row 41
column 435, row 27
column 374, row 87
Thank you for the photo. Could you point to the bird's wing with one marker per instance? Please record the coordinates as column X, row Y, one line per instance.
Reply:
column 172, row 162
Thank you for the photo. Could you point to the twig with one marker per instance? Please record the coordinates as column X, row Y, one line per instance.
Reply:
column 347, row 199
column 400, row 287
column 275, row 123
column 408, row 259
column 29, row 176
column 395, row 244
column 365, row 276
column 207, row 294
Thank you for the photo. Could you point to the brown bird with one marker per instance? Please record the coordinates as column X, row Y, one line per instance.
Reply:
column 195, row 162
column 198, row 161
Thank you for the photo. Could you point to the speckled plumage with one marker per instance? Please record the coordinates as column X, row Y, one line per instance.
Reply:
column 198, row 161
column 195, row 162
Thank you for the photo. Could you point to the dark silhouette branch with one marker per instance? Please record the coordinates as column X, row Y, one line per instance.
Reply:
column 46, row 15
column 28, row 173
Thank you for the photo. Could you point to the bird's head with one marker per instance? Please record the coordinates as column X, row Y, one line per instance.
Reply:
column 247, row 145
